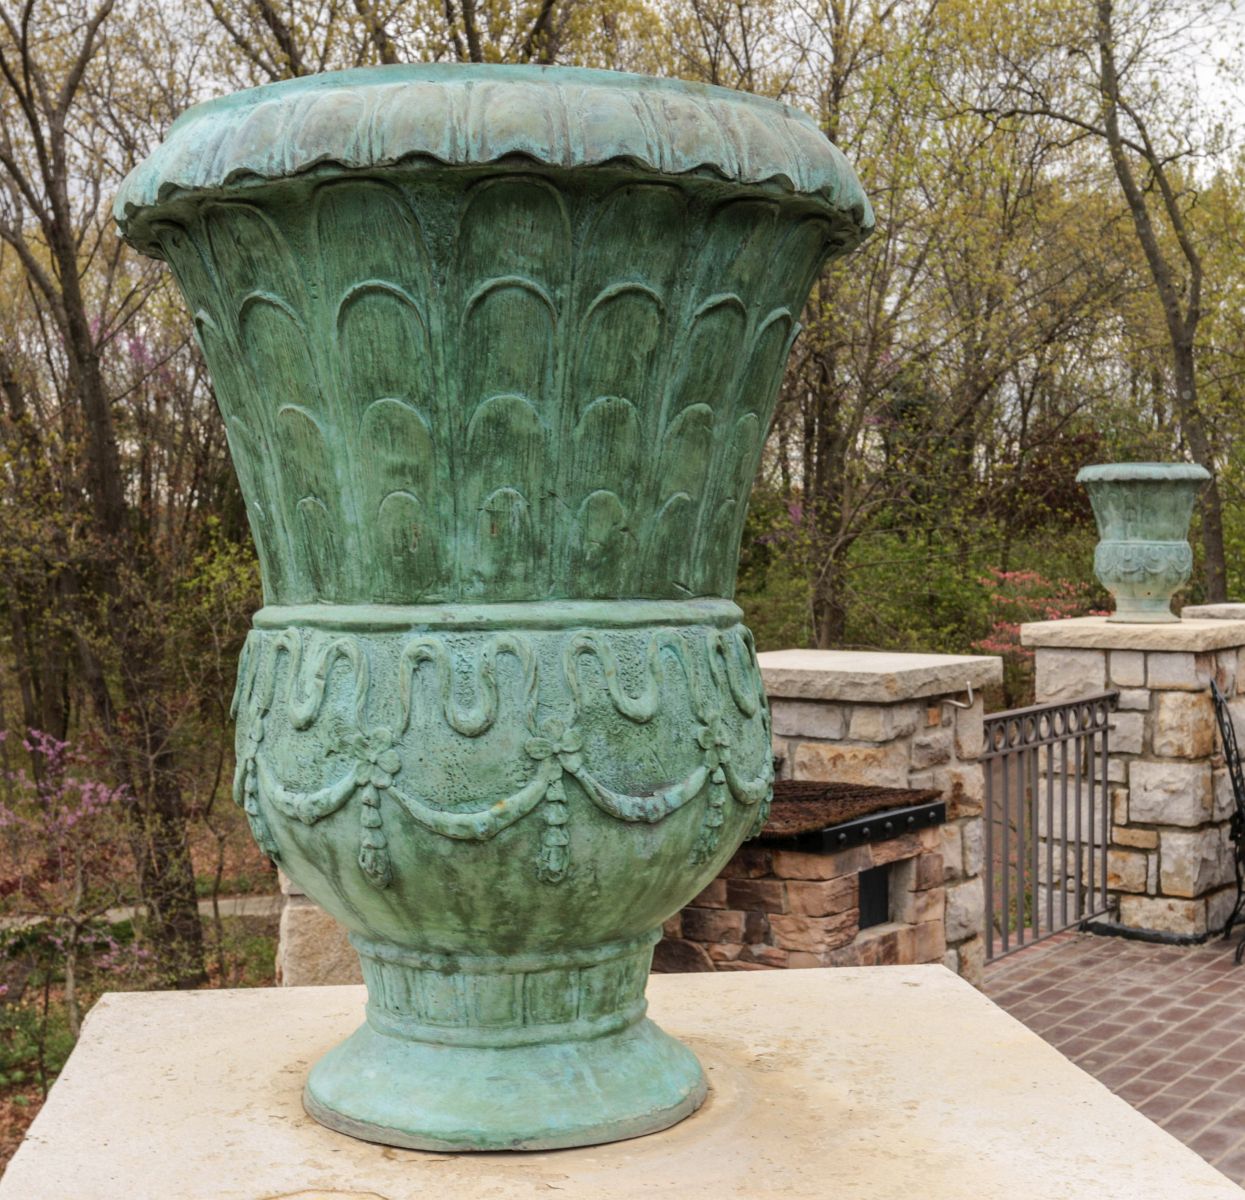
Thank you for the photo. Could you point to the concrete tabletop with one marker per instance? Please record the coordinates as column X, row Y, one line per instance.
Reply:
column 847, row 1084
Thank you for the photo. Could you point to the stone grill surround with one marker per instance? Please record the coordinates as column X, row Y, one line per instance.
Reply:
column 879, row 719
column 1169, row 861
column 779, row 907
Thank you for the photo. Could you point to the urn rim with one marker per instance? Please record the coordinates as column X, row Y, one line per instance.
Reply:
column 1143, row 472
column 480, row 114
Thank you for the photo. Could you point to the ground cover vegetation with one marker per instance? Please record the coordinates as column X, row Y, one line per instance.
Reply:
column 1056, row 279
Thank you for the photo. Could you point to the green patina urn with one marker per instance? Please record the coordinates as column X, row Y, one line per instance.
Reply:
column 497, row 349
column 1143, row 511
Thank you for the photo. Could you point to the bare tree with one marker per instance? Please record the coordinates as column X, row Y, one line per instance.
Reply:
column 1082, row 78
column 277, row 41
column 1181, row 298
column 55, row 173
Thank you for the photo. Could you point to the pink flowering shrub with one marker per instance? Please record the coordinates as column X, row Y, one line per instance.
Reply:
column 57, row 798
column 1015, row 598
column 64, row 860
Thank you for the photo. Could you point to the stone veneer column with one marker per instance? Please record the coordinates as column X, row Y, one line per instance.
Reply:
column 1169, row 861
column 888, row 720
column 312, row 948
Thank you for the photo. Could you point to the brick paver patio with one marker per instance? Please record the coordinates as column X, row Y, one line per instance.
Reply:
column 1161, row 1026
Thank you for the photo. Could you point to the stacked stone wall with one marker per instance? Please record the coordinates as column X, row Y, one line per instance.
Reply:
column 930, row 743
column 1169, row 858
column 776, row 907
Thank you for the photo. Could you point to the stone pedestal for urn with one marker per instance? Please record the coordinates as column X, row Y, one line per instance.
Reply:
column 1169, row 853
column 497, row 349
column 863, row 1077
column 1143, row 510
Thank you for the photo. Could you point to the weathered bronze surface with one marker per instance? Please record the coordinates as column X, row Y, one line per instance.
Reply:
column 497, row 349
column 1143, row 511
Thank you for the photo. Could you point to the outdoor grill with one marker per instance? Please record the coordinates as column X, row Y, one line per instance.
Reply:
column 841, row 874
column 833, row 816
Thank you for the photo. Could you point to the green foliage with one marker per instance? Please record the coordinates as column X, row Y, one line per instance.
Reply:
column 253, row 952
column 931, row 591
column 772, row 587
column 246, row 884
column 33, row 1045
column 917, row 594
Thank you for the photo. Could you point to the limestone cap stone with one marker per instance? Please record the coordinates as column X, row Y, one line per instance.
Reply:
column 471, row 115
column 867, row 1077
column 1230, row 611
column 873, row 677
column 1097, row 633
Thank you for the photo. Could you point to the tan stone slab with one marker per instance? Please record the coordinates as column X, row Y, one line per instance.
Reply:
column 881, row 1083
column 313, row 949
column 1097, row 633
column 873, row 677
column 288, row 886
column 1214, row 612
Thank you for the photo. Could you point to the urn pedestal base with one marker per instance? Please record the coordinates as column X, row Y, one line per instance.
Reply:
column 1142, row 612
column 558, row 1053
column 503, row 803
column 1143, row 576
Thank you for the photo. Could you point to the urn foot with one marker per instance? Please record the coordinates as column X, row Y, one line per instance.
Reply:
column 1155, row 611
column 537, row 1052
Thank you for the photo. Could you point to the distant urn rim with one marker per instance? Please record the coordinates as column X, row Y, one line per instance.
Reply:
column 1142, row 472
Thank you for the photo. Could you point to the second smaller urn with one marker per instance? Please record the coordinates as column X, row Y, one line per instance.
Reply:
column 1143, row 556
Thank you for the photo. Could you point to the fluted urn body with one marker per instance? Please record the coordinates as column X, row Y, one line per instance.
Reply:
column 1143, row 557
column 497, row 350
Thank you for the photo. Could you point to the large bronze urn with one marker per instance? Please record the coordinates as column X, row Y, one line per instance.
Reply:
column 497, row 349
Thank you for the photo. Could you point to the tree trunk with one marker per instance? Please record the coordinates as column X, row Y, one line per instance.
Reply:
column 829, row 607
column 1180, row 299
column 166, row 877
column 1214, row 570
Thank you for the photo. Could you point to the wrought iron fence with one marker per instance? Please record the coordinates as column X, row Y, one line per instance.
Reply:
column 1048, row 819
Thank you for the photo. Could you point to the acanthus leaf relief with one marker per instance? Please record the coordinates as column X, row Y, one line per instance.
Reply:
column 405, row 374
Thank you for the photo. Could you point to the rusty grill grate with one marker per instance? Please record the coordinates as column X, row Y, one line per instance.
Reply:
column 802, row 807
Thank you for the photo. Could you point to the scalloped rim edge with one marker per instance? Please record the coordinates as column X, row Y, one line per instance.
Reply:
column 133, row 220
column 1143, row 472
column 143, row 193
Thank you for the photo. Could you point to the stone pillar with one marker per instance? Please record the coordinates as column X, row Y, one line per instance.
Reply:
column 312, row 948
column 1169, row 861
column 896, row 720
